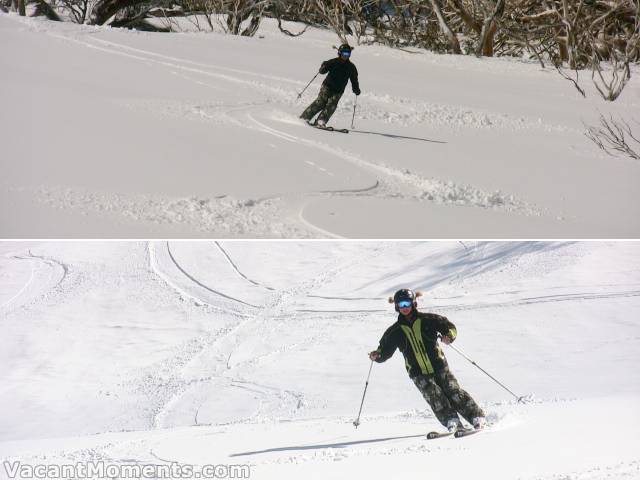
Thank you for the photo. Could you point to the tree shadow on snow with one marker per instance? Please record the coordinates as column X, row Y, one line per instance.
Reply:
column 325, row 445
column 391, row 135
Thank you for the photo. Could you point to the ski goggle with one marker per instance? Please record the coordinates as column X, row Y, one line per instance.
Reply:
column 345, row 53
column 405, row 304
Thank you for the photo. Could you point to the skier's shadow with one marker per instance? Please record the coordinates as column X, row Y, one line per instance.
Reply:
column 324, row 445
column 391, row 135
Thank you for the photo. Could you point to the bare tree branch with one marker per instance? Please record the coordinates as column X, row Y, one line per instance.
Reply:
column 576, row 81
column 614, row 137
column 611, row 88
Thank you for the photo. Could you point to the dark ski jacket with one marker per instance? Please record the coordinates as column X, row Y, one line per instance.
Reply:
column 339, row 74
column 417, row 339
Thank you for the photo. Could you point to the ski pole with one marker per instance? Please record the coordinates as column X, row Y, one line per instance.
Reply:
column 356, row 422
column 519, row 399
column 314, row 77
column 354, row 111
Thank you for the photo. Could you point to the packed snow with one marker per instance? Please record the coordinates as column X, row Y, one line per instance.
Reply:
column 109, row 133
column 234, row 353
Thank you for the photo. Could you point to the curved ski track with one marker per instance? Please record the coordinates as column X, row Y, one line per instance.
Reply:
column 276, row 305
column 235, row 267
column 47, row 274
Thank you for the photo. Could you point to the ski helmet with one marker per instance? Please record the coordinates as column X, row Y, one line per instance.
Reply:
column 345, row 48
column 404, row 294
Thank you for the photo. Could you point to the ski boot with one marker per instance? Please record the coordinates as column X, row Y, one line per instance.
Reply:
column 479, row 423
column 453, row 425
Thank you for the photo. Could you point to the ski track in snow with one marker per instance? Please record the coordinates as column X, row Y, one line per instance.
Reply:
column 397, row 182
column 160, row 268
column 24, row 287
column 47, row 274
column 200, row 284
column 230, row 217
column 235, row 267
column 542, row 299
column 183, row 386
column 195, row 290
column 276, row 305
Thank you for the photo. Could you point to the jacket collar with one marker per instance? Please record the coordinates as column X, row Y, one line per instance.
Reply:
column 408, row 320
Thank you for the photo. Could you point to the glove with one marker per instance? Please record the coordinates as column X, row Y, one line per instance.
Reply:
column 446, row 340
column 375, row 355
column 357, row 92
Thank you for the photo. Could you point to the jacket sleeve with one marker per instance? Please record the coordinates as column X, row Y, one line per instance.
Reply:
column 445, row 327
column 355, row 85
column 388, row 345
column 324, row 67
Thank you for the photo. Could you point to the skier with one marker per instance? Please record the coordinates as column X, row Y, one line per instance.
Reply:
column 339, row 70
column 416, row 335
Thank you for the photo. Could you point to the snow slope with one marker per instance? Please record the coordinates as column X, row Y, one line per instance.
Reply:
column 110, row 133
column 254, row 353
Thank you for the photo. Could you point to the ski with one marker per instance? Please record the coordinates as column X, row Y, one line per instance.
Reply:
column 331, row 129
column 463, row 432
column 434, row 435
column 466, row 432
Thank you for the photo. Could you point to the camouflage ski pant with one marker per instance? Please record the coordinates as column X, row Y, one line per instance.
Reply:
column 445, row 397
column 326, row 103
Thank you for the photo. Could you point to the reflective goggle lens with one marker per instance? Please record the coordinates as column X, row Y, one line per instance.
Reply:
column 345, row 53
column 405, row 303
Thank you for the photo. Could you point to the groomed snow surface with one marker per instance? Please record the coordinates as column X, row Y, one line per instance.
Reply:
column 255, row 353
column 110, row 133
